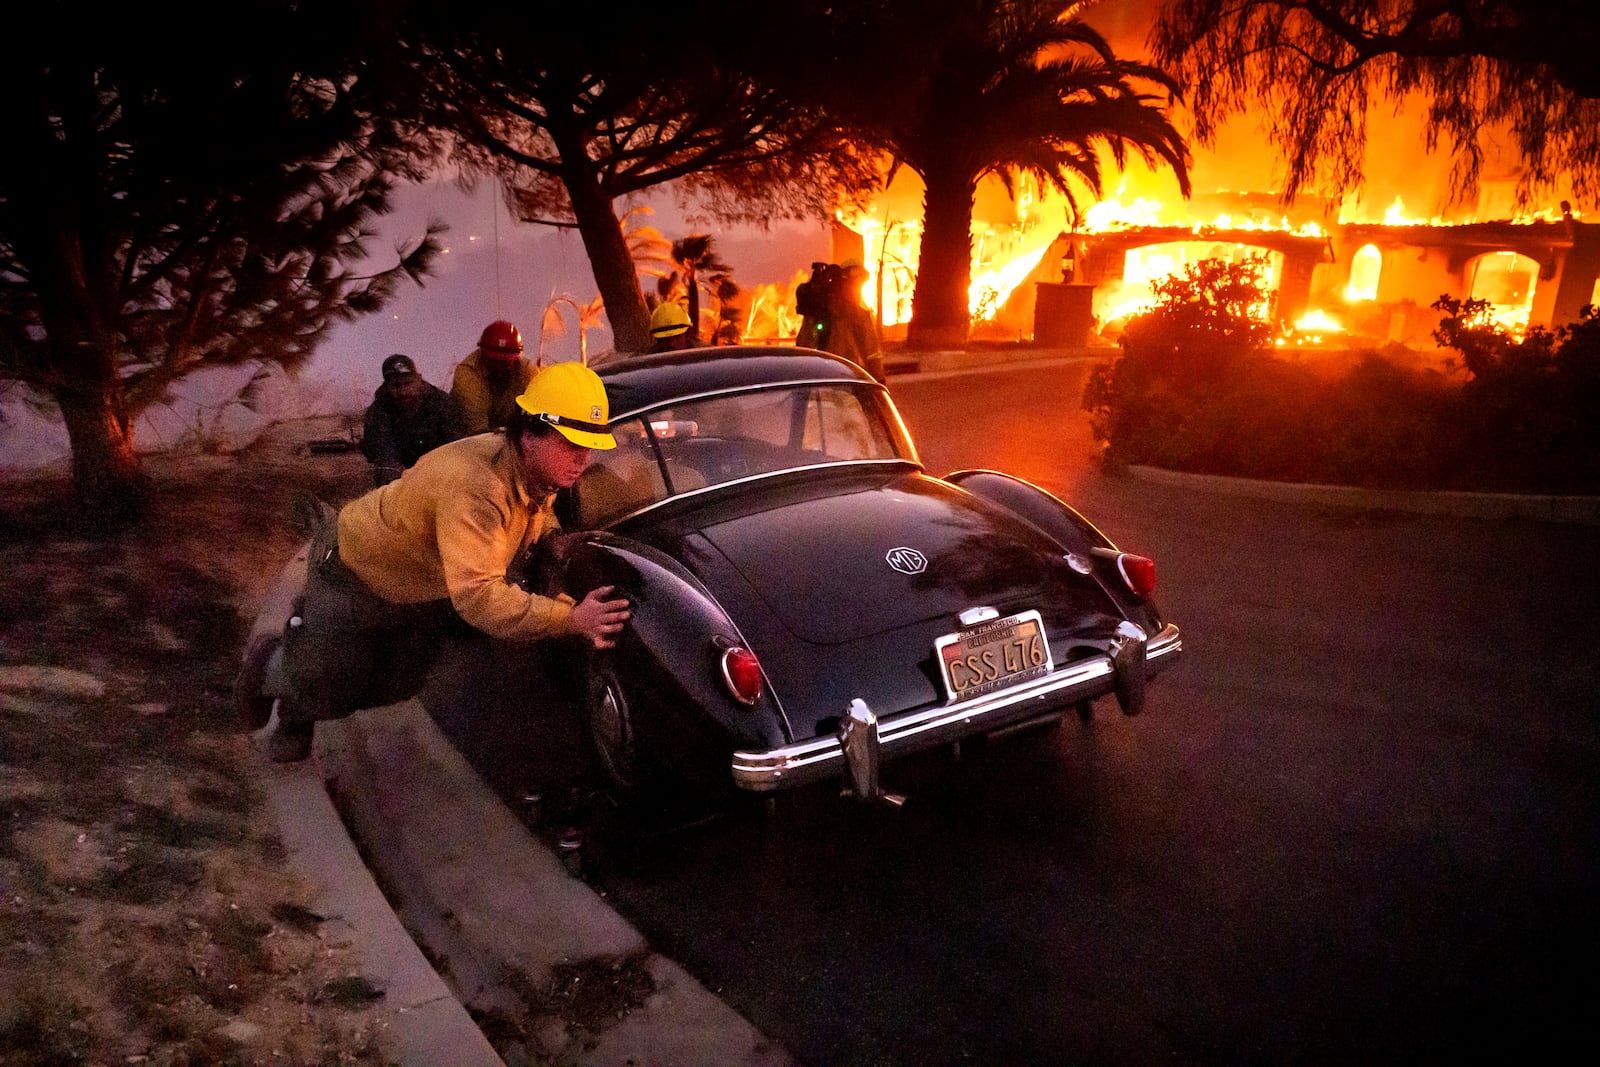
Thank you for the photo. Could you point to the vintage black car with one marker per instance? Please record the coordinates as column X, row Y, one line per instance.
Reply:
column 808, row 602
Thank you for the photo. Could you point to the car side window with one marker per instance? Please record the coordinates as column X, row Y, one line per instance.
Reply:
column 619, row 480
column 839, row 427
column 762, row 417
column 719, row 439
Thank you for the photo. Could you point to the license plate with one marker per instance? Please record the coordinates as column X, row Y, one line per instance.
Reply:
column 993, row 655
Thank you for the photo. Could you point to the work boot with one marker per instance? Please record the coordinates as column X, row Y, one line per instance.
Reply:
column 290, row 742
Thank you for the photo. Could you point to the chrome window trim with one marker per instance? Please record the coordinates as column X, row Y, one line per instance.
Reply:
column 748, row 478
column 689, row 398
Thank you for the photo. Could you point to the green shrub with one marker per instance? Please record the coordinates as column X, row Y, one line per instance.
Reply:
column 1532, row 407
column 1199, row 338
column 1197, row 388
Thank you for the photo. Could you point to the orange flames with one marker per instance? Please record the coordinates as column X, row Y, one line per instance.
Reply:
column 1012, row 236
column 1004, row 254
column 1363, row 285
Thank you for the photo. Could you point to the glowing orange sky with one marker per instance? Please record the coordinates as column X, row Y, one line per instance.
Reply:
column 1242, row 160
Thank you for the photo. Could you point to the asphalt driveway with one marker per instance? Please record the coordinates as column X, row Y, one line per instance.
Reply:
column 1358, row 822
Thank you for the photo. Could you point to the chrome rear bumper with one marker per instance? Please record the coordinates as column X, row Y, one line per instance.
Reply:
column 1123, row 672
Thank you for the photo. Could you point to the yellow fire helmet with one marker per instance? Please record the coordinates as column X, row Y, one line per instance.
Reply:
column 570, row 397
column 669, row 319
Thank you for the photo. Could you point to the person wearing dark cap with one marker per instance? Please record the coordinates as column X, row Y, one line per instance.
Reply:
column 669, row 328
column 488, row 381
column 407, row 417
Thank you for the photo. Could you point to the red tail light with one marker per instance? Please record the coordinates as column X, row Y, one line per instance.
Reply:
column 1139, row 572
column 742, row 673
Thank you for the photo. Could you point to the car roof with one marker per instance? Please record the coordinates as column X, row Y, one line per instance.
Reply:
column 639, row 382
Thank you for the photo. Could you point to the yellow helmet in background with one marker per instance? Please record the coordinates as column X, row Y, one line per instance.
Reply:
column 570, row 397
column 669, row 319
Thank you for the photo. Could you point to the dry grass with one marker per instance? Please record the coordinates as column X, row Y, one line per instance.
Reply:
column 146, row 914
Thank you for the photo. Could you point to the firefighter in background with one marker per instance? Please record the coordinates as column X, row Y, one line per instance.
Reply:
column 852, row 330
column 487, row 383
column 670, row 328
column 410, row 559
column 812, row 301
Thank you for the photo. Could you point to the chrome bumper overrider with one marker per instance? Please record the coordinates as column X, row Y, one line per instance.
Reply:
column 1123, row 672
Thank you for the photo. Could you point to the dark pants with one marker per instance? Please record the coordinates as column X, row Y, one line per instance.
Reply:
column 354, row 649
column 512, row 709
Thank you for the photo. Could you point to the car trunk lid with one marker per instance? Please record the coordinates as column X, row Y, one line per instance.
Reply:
column 882, row 555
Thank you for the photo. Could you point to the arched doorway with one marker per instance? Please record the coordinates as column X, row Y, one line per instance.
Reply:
column 1506, row 280
column 1366, row 268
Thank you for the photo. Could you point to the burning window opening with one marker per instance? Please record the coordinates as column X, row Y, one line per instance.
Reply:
column 1144, row 266
column 1506, row 280
column 1366, row 266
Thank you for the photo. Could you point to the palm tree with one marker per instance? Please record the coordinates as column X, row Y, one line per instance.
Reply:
column 726, row 330
column 650, row 251
column 1005, row 87
column 695, row 255
column 588, row 316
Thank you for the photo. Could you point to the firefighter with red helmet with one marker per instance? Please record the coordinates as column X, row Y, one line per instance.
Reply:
column 487, row 383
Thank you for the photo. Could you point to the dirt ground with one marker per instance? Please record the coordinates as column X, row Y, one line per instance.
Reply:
column 146, row 913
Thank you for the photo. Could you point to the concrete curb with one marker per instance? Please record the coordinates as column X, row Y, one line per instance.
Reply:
column 1580, row 510
column 487, row 899
column 423, row 1024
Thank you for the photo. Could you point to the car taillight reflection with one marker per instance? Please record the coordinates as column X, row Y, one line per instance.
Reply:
column 742, row 673
column 1139, row 572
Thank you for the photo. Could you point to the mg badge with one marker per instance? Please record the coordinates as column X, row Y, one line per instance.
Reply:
column 1077, row 562
column 907, row 560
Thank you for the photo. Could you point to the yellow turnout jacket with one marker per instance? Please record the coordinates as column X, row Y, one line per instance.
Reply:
column 450, row 527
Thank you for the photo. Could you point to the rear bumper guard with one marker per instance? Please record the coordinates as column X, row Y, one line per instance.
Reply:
column 856, row 752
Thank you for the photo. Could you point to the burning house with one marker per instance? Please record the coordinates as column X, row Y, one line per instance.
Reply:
column 1347, row 281
column 1359, row 271
column 1371, row 282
